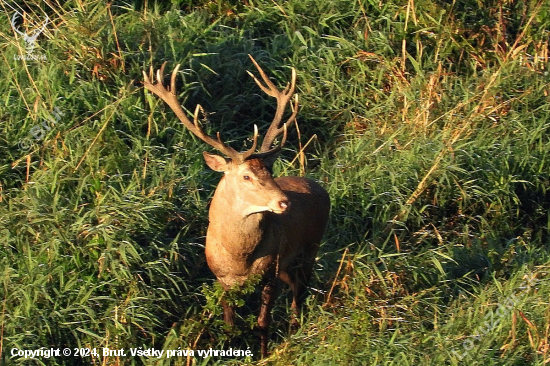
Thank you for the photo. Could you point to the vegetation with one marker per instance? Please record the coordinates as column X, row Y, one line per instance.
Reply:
column 427, row 121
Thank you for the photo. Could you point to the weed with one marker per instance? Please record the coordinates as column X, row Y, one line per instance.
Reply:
column 427, row 122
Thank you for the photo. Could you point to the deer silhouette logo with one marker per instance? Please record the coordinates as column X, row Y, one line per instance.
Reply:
column 30, row 40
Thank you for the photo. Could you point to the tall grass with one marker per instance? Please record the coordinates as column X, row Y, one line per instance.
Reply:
column 427, row 122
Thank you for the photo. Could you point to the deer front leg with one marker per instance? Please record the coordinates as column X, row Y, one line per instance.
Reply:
column 268, row 297
column 228, row 313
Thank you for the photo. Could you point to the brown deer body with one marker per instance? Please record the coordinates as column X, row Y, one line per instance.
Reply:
column 258, row 225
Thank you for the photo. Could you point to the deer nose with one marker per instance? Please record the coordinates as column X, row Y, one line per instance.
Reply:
column 284, row 205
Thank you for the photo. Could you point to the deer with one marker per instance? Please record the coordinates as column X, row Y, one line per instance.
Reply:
column 30, row 41
column 258, row 225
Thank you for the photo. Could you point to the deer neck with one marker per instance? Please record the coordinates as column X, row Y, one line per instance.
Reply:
column 236, row 230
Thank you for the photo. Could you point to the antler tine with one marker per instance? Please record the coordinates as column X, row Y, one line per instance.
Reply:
column 45, row 23
column 160, row 75
column 283, row 97
column 252, row 150
column 15, row 16
column 37, row 32
column 173, row 78
column 170, row 98
column 277, row 148
column 274, row 129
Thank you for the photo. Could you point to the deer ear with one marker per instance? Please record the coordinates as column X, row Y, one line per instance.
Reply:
column 270, row 160
column 216, row 162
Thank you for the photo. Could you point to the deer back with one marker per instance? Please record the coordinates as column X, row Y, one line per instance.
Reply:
column 305, row 222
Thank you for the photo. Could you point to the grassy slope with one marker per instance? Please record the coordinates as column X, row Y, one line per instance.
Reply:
column 432, row 133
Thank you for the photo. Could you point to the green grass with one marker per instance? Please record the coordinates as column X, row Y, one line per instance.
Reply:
column 427, row 122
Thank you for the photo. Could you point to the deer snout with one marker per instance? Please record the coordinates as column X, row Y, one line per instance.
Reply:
column 284, row 205
column 279, row 205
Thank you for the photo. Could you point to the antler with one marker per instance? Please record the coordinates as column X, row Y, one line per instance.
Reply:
column 283, row 97
column 37, row 32
column 169, row 96
column 15, row 16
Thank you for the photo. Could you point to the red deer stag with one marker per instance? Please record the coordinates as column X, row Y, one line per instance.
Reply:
column 258, row 225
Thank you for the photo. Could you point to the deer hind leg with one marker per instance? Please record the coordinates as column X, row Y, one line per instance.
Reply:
column 297, row 290
column 268, row 298
column 297, row 279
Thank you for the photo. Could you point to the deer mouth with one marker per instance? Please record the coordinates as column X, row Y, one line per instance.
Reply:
column 281, row 207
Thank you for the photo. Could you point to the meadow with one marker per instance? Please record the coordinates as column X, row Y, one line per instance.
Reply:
column 428, row 122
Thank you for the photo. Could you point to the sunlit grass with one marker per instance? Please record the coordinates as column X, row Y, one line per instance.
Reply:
column 428, row 124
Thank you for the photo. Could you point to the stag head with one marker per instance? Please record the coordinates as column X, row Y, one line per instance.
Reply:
column 30, row 40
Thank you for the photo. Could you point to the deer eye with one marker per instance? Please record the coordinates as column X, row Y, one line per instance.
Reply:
column 246, row 177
